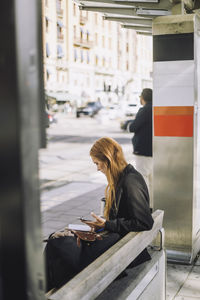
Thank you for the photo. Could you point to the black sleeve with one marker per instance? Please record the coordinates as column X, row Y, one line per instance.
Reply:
column 138, row 212
column 139, row 121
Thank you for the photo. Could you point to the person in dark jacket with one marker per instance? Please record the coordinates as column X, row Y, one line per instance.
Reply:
column 126, row 209
column 142, row 139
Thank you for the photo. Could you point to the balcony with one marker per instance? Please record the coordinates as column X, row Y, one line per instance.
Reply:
column 84, row 43
column 83, row 20
column 61, row 64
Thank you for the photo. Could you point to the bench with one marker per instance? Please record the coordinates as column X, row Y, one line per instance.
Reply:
column 97, row 281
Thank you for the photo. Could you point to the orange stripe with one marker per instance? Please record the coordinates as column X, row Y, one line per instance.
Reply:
column 173, row 125
column 173, row 110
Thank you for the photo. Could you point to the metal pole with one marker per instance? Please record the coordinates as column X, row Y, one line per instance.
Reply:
column 21, row 90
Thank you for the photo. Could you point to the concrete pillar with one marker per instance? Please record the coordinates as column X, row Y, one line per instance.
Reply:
column 21, row 135
column 176, row 141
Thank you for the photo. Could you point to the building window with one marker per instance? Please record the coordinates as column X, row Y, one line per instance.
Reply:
column 81, row 34
column 103, row 61
column 74, row 31
column 96, row 39
column 88, row 35
column 96, row 60
column 58, row 5
column 75, row 55
column 127, row 66
column 59, row 9
column 103, row 41
column 127, row 34
column 48, row 73
column 88, row 57
column 82, row 56
column 60, row 53
column 59, row 29
column 47, row 50
column 47, row 24
column 110, row 43
column 96, row 18
column 46, row 3
column 74, row 9
column 127, row 47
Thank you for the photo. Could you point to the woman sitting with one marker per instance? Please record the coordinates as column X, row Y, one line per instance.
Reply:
column 126, row 209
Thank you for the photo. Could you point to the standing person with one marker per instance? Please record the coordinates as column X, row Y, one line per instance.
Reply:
column 142, row 140
column 126, row 209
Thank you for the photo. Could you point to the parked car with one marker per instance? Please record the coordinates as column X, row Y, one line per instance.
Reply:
column 91, row 109
column 131, row 109
column 124, row 124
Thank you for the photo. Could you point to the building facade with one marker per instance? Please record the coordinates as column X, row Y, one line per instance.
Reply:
column 87, row 58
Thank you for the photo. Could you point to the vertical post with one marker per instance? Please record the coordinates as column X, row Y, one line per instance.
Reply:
column 175, row 132
column 21, row 115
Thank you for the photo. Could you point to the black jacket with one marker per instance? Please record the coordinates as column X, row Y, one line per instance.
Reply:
column 132, row 212
column 142, row 127
column 64, row 259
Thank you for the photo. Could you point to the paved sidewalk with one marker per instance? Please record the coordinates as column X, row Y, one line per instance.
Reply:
column 72, row 201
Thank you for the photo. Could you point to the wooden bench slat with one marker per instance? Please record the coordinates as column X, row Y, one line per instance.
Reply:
column 91, row 281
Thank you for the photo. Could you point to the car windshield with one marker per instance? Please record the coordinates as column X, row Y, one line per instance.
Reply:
column 91, row 104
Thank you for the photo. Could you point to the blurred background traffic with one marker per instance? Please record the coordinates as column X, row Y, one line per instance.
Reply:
column 121, row 112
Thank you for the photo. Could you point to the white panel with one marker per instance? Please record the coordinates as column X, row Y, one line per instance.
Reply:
column 173, row 67
column 173, row 83
column 174, row 74
column 173, row 97
column 144, row 283
column 156, row 290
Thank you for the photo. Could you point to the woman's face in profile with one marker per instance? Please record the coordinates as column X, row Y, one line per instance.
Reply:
column 101, row 166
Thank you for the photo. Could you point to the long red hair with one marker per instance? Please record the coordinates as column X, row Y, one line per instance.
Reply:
column 109, row 152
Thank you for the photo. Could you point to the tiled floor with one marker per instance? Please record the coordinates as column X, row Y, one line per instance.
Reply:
column 181, row 282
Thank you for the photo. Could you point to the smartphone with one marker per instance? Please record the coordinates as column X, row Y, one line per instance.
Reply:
column 85, row 220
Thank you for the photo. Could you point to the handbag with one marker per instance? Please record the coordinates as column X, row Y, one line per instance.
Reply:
column 87, row 236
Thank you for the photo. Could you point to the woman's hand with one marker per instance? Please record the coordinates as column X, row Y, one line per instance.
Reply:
column 97, row 224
